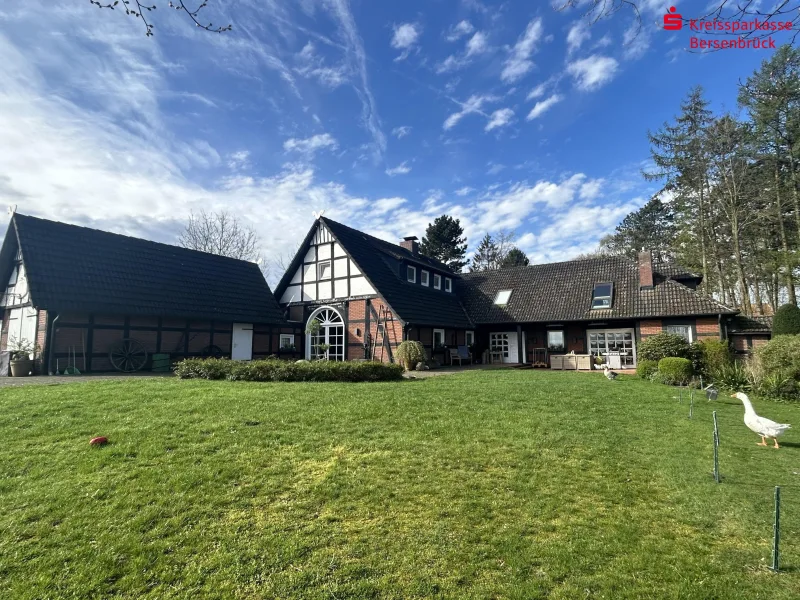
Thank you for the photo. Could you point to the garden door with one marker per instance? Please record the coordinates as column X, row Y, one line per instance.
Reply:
column 325, row 339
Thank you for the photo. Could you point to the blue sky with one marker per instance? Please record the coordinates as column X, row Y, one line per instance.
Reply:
column 508, row 115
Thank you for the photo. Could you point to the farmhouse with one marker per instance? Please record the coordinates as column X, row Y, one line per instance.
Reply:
column 368, row 295
column 101, row 301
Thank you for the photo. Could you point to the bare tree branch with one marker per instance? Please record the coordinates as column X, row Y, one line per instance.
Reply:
column 221, row 233
column 134, row 8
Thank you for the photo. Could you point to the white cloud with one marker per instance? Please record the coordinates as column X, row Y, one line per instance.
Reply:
column 593, row 72
column 499, row 118
column 240, row 160
column 494, row 168
column 477, row 44
column 405, row 38
column 543, row 106
column 591, row 189
column 474, row 104
column 401, row 132
column 451, row 63
column 401, row 169
column 313, row 66
column 459, row 30
column 539, row 91
column 384, row 205
column 577, row 35
column 518, row 64
column 464, row 191
column 309, row 146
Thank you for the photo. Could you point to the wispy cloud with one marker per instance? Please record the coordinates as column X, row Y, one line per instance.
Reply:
column 577, row 35
column 313, row 66
column 459, row 30
column 473, row 105
column 401, row 132
column 358, row 60
column 310, row 146
column 499, row 118
column 401, row 169
column 593, row 72
column 519, row 62
column 476, row 45
column 405, row 38
column 543, row 106
column 464, row 191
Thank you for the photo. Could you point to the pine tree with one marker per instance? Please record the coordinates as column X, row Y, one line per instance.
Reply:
column 485, row 257
column 444, row 240
column 649, row 228
column 514, row 258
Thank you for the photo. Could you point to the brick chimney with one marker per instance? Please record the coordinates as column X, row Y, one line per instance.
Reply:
column 645, row 270
column 411, row 244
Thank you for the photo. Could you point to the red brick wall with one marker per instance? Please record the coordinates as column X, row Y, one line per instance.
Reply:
column 394, row 328
column 708, row 327
column 759, row 340
column 647, row 328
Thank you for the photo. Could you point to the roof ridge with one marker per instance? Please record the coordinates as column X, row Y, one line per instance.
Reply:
column 134, row 238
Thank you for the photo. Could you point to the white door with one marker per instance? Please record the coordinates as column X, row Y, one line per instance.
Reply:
column 506, row 344
column 21, row 325
column 242, row 348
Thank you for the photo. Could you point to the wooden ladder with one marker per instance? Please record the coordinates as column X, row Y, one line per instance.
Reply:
column 385, row 316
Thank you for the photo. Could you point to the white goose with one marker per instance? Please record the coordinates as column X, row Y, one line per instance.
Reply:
column 763, row 427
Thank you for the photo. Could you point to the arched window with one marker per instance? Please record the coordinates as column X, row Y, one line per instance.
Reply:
column 328, row 339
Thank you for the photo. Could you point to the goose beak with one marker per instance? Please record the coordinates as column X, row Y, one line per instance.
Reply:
column 733, row 395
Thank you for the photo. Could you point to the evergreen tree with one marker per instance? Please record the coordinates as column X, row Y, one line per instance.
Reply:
column 444, row 240
column 485, row 257
column 514, row 258
column 786, row 320
column 650, row 228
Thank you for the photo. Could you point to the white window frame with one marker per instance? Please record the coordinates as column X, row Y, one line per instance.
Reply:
column 448, row 284
column 502, row 294
column 320, row 265
column 411, row 269
column 437, row 277
column 469, row 338
column 284, row 336
column 441, row 331
column 688, row 328
column 563, row 340
column 425, row 278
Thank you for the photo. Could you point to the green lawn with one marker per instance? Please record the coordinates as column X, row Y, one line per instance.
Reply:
column 499, row 484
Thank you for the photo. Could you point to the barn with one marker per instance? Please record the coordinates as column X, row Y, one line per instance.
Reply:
column 102, row 302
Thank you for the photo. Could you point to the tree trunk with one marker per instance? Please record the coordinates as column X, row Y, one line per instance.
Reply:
column 787, row 257
column 737, row 258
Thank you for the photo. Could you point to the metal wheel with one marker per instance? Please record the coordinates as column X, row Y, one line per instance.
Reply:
column 128, row 356
column 213, row 352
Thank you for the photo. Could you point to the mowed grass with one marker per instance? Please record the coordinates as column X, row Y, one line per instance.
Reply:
column 498, row 484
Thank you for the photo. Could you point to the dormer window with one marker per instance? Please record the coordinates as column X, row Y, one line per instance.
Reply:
column 601, row 297
column 502, row 298
column 424, row 278
column 437, row 281
column 411, row 274
column 324, row 270
column 448, row 284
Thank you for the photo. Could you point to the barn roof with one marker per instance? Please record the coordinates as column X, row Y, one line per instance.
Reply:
column 72, row 268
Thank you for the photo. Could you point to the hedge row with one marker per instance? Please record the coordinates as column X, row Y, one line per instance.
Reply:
column 281, row 370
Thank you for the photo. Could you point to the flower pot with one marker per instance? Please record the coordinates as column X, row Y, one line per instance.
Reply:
column 21, row 367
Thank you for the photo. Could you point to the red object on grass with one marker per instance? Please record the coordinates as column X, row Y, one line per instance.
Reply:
column 98, row 441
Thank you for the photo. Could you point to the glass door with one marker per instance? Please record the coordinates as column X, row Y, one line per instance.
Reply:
column 617, row 341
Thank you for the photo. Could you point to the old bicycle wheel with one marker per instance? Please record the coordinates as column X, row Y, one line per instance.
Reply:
column 128, row 356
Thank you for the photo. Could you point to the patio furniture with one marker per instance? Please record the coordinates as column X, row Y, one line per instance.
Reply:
column 460, row 354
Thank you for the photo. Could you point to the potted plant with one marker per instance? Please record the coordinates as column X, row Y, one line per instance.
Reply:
column 22, row 354
column 322, row 351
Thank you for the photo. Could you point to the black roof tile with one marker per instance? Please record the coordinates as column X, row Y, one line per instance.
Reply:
column 745, row 324
column 81, row 269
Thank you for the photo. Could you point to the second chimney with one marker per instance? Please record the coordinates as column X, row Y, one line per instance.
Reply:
column 645, row 270
column 411, row 244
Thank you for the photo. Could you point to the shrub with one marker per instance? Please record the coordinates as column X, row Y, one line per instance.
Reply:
column 280, row 370
column 710, row 356
column 410, row 353
column 663, row 345
column 732, row 376
column 786, row 320
column 781, row 356
column 646, row 368
column 674, row 370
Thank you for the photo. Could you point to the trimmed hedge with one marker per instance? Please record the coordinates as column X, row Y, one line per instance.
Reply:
column 663, row 345
column 281, row 370
column 786, row 320
column 645, row 369
column 675, row 371
column 409, row 353
column 710, row 356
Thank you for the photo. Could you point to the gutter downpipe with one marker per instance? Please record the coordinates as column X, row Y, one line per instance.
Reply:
column 50, row 345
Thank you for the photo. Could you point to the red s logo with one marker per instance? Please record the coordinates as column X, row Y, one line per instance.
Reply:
column 672, row 20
